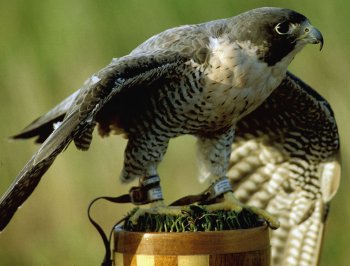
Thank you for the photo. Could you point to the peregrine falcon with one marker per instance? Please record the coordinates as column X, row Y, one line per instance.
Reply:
column 194, row 79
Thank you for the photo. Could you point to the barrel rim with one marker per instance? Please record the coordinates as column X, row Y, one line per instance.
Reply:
column 192, row 243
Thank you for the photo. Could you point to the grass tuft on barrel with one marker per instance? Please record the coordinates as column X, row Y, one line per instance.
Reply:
column 197, row 218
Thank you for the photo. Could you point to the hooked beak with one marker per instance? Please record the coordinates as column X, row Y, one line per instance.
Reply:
column 311, row 35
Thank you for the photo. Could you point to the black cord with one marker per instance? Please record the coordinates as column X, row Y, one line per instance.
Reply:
column 107, row 261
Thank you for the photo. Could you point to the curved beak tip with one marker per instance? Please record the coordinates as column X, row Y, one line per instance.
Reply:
column 316, row 35
column 321, row 43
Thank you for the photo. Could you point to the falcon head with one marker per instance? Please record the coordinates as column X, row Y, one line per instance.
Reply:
column 276, row 32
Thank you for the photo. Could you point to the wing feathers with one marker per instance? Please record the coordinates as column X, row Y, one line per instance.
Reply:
column 79, row 112
column 24, row 184
column 44, row 125
column 284, row 160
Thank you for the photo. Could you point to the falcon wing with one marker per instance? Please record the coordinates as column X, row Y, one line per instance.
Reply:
column 44, row 125
column 79, row 112
column 285, row 160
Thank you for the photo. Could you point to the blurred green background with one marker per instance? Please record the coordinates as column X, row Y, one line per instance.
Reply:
column 48, row 48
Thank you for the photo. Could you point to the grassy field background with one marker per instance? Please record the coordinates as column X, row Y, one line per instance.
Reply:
column 47, row 50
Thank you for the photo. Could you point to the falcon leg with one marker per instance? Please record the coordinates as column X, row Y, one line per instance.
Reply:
column 142, row 155
column 214, row 154
column 150, row 192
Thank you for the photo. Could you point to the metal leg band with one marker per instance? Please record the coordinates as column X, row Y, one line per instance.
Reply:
column 148, row 191
column 219, row 187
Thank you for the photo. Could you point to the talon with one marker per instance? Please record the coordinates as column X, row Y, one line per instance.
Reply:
column 135, row 217
column 272, row 221
column 157, row 207
column 230, row 203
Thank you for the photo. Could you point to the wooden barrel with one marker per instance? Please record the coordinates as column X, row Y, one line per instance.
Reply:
column 248, row 247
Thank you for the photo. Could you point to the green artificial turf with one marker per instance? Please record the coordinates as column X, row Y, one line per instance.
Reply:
column 194, row 220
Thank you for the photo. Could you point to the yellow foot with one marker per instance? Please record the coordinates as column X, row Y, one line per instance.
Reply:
column 158, row 207
column 230, row 203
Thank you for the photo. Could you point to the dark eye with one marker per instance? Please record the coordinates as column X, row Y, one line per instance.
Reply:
column 283, row 28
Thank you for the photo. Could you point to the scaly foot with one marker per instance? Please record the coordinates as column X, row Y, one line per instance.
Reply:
column 230, row 203
column 158, row 207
